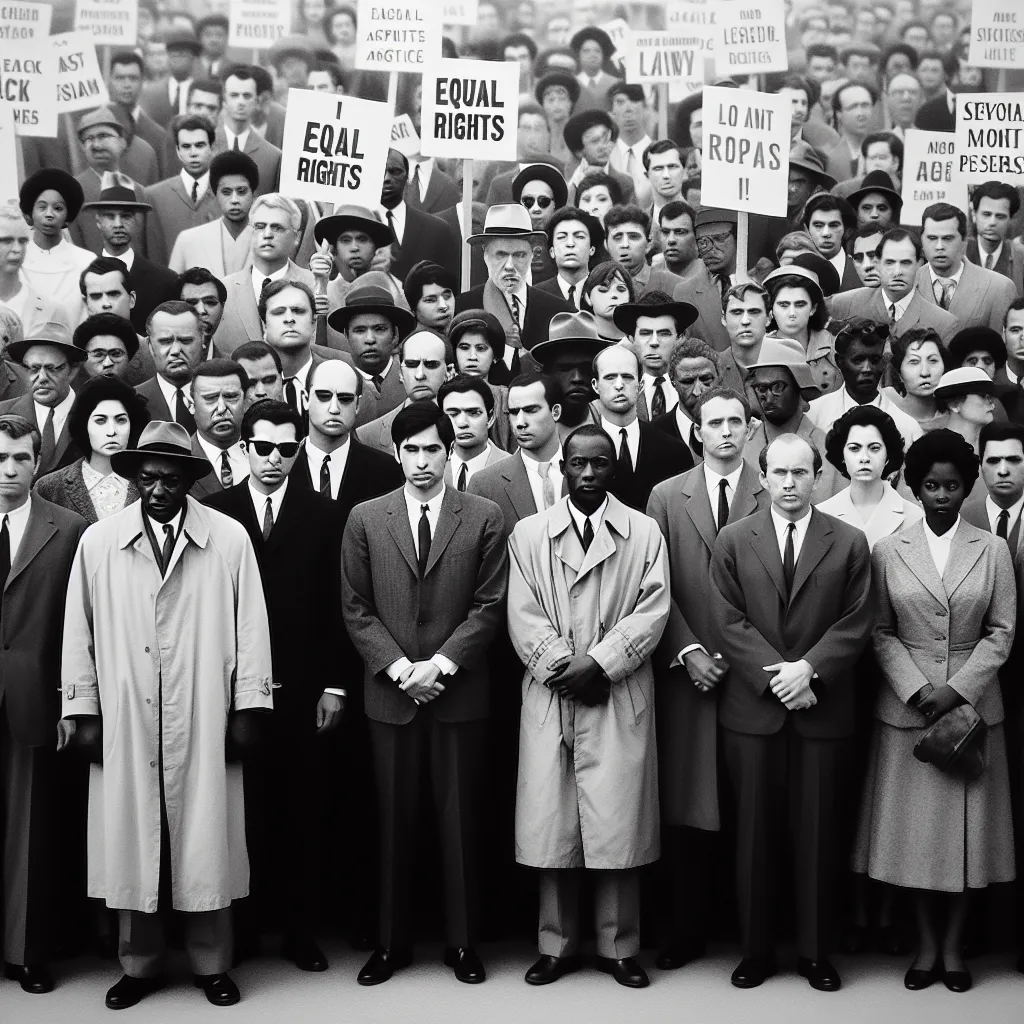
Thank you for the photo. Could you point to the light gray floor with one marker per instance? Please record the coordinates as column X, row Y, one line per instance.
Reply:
column 427, row 993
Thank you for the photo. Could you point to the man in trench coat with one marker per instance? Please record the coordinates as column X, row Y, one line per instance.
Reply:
column 166, row 669
column 588, row 601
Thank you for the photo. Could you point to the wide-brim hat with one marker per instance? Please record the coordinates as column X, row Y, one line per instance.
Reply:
column 329, row 228
column 577, row 330
column 478, row 320
column 508, row 220
column 57, row 180
column 806, row 157
column 542, row 172
column 827, row 275
column 808, row 277
column 876, row 181
column 715, row 215
column 563, row 78
column 101, row 116
column 52, row 333
column 182, row 39
column 595, row 34
column 106, row 323
column 776, row 353
column 974, row 339
column 626, row 315
column 166, row 439
column 291, row 46
column 582, row 122
column 370, row 298
column 964, row 380
column 118, row 197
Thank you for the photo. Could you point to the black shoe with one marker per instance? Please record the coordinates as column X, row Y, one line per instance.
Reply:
column 34, row 979
column 219, row 988
column 466, row 965
column 626, row 971
column 550, row 968
column 820, row 974
column 916, row 979
column 753, row 971
column 678, row 953
column 382, row 965
column 305, row 954
column 957, row 981
column 129, row 991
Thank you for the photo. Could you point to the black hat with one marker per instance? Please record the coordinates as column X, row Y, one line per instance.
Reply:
column 349, row 216
column 626, row 315
column 975, row 339
column 582, row 122
column 371, row 299
column 56, row 179
column 827, row 275
column 182, row 39
column 598, row 35
column 107, row 323
column 557, row 77
column 118, row 197
column 877, row 181
column 542, row 172
column 478, row 320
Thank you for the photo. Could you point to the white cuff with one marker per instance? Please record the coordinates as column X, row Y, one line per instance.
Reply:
column 336, row 691
column 396, row 668
column 446, row 665
column 677, row 661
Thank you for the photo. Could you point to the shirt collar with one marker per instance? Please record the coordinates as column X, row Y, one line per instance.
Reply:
column 952, row 277
column 934, row 540
column 258, row 276
column 19, row 515
column 203, row 181
column 532, row 463
column 414, row 505
column 213, row 453
column 595, row 517
column 62, row 409
column 127, row 257
column 781, row 523
column 303, row 372
column 243, row 137
column 900, row 304
column 839, row 262
column 158, row 528
column 474, row 464
column 259, row 500
column 712, row 479
column 383, row 373
column 993, row 510
column 632, row 431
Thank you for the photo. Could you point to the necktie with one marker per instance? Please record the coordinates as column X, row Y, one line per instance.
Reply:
column 723, row 503
column 658, row 399
column 416, row 183
column 943, row 291
column 227, row 478
column 696, row 445
column 1002, row 524
column 789, row 558
column 593, row 83
column 168, row 548
column 892, row 312
column 990, row 260
column 631, row 163
column 325, row 476
column 463, row 475
column 547, row 489
column 378, row 382
column 175, row 95
column 423, row 535
column 588, row 534
column 292, row 394
column 396, row 245
column 516, row 310
column 49, row 446
column 572, row 295
column 624, row 465
column 195, row 192
column 268, row 519
column 182, row 414
column 5, row 554
column 263, row 291
column 234, row 145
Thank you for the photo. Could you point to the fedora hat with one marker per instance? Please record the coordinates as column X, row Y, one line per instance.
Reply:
column 291, row 46
column 106, row 324
column 806, row 157
column 508, row 220
column 182, row 39
column 715, row 215
column 542, row 172
column 118, row 197
column 160, row 437
column 371, row 298
column 964, row 380
column 348, row 216
column 52, row 333
column 577, row 329
column 104, row 116
column 876, row 181
column 563, row 78
column 777, row 353
column 582, row 122
column 59, row 181
column 626, row 315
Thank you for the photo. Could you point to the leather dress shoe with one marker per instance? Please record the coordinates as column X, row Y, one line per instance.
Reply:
column 550, row 968
column 678, row 953
column 917, row 979
column 382, row 965
column 220, row 990
column 129, row 991
column 34, row 979
column 626, row 971
column 305, row 954
column 753, row 971
column 820, row 974
column 957, row 981
column 466, row 965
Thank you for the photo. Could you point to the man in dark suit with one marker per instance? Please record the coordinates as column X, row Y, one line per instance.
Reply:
column 424, row 572
column 998, row 510
column 442, row 191
column 827, row 219
column 297, row 538
column 175, row 343
column 645, row 456
column 994, row 207
column 939, row 113
column 236, row 131
column 573, row 239
column 692, row 369
column 218, row 397
column 127, row 71
column 791, row 598
column 166, row 97
column 38, row 541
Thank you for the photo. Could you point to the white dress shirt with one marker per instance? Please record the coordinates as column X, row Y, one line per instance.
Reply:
column 258, row 277
column 237, row 459
column 60, row 414
column 781, row 525
column 595, row 517
column 983, row 257
column 622, row 151
column 992, row 510
column 399, row 215
column 536, row 481
column 713, row 480
column 176, row 528
column 368, row 377
column 839, row 262
column 259, row 501
column 564, row 286
column 170, row 393
column 127, row 257
column 933, row 277
column 473, row 465
column 230, row 136
column 336, row 466
column 686, row 425
column 939, row 547
column 300, row 379
column 182, row 88
column 671, row 398
column 632, row 437
column 203, row 181
column 426, row 166
column 900, row 304
column 17, row 524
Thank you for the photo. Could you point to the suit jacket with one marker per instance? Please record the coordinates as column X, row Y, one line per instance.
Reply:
column 201, row 246
column 850, row 281
column 266, row 156
column 454, row 610
column 172, row 207
column 32, row 622
column 156, row 404
column 155, row 100
column 658, row 458
column 870, row 303
column 65, row 450
column 1010, row 263
column 704, row 294
column 934, row 116
column 669, row 424
column 980, row 300
column 494, row 456
column 377, row 433
column 506, row 484
column 208, row 485
column 826, row 620
column 155, row 137
column 974, row 512
column 443, row 193
column 426, row 237
column 153, row 284
column 540, row 308
column 140, row 162
column 84, row 232
column 66, row 488
column 14, row 380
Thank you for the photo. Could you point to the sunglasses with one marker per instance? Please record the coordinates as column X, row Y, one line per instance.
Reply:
column 288, row 449
column 343, row 397
column 543, row 202
column 860, row 257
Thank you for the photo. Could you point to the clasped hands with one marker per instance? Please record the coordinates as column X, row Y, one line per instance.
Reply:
column 582, row 679
column 791, row 683
column 422, row 681
column 934, row 702
column 705, row 672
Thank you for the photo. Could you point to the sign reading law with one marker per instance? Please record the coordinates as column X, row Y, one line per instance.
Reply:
column 110, row 21
column 751, row 37
column 258, row 24
column 398, row 36
column 928, row 174
column 997, row 34
column 665, row 57
column 989, row 138
column 22, row 20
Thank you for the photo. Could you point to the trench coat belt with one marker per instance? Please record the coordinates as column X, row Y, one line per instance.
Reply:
column 567, row 719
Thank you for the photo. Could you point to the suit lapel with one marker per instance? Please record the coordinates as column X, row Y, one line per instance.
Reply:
column 766, row 547
column 398, row 526
column 517, row 487
column 245, row 304
column 698, row 509
column 913, row 549
column 448, row 520
column 964, row 552
column 38, row 532
column 817, row 541
column 78, row 495
column 748, row 487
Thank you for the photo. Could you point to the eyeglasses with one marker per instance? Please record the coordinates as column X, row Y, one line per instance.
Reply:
column 776, row 388
column 99, row 137
column 343, row 397
column 427, row 364
column 706, row 242
column 100, row 355
column 543, row 202
column 50, row 369
column 288, row 449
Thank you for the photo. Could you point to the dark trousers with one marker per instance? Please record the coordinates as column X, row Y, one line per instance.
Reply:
column 781, row 780
column 1014, row 733
column 688, row 860
column 26, row 833
column 455, row 753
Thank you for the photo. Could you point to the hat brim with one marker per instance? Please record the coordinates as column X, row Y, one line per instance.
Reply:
column 802, row 376
column 401, row 318
column 543, row 349
column 488, row 236
column 547, row 174
column 895, row 198
column 962, row 390
column 823, row 176
column 327, row 229
column 99, row 204
column 127, row 463
column 626, row 315
column 16, row 349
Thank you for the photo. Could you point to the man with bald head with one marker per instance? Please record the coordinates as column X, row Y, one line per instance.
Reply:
column 790, row 593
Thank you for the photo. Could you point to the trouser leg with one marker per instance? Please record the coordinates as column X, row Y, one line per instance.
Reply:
column 617, row 913
column 209, row 941
column 558, row 933
column 689, row 871
column 141, row 943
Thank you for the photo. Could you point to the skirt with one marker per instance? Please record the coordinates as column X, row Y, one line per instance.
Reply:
column 922, row 829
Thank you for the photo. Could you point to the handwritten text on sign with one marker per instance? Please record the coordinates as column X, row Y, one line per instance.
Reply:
column 258, row 24
column 693, row 17
column 997, row 34
column 27, row 86
column 404, row 136
column 460, row 12
column 928, row 174
column 989, row 137
column 20, row 20
column 110, row 21
column 665, row 57
column 80, row 84
column 751, row 37
column 398, row 37
column 746, row 151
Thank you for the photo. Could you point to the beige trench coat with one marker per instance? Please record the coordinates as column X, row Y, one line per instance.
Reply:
column 588, row 776
column 194, row 644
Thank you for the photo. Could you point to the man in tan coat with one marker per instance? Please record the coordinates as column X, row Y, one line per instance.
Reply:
column 588, row 602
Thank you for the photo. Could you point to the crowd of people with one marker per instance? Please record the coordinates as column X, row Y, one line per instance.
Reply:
column 626, row 557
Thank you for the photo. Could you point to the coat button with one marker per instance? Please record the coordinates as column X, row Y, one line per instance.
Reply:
column 152, row 764
column 148, row 701
column 147, row 650
column 941, row 613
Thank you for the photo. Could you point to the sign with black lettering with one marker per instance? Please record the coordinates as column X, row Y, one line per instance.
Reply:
column 928, row 174
column 989, row 138
column 997, row 34
column 460, row 12
column 80, row 84
column 751, row 37
column 27, row 76
column 258, row 24
column 745, row 157
column 470, row 109
column 24, row 21
column 665, row 57
column 334, row 148
column 404, row 136
column 110, row 21
column 398, row 36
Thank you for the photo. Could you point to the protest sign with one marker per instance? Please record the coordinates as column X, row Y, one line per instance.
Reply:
column 745, row 157
column 928, row 174
column 22, row 20
column 460, row 12
column 27, row 87
column 112, row 22
column 751, row 37
column 398, row 36
column 989, row 138
column 334, row 148
column 80, row 84
column 665, row 57
column 470, row 109
column 617, row 31
column 8, row 154
column 695, row 18
column 404, row 136
column 997, row 34
column 258, row 24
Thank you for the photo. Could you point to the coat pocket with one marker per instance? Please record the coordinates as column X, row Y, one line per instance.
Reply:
column 638, row 691
column 537, row 699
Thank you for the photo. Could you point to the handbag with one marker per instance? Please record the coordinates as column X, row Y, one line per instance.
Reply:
column 953, row 743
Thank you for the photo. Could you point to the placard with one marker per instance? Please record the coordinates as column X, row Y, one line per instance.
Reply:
column 745, row 157
column 27, row 77
column 398, row 36
column 110, row 21
column 404, row 136
column 997, row 34
column 258, row 24
column 989, row 138
column 928, row 159
column 22, row 20
column 460, row 12
column 665, row 57
column 751, row 37
column 335, row 148
column 80, row 84
column 617, row 31
column 693, row 18
column 8, row 155
column 470, row 109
